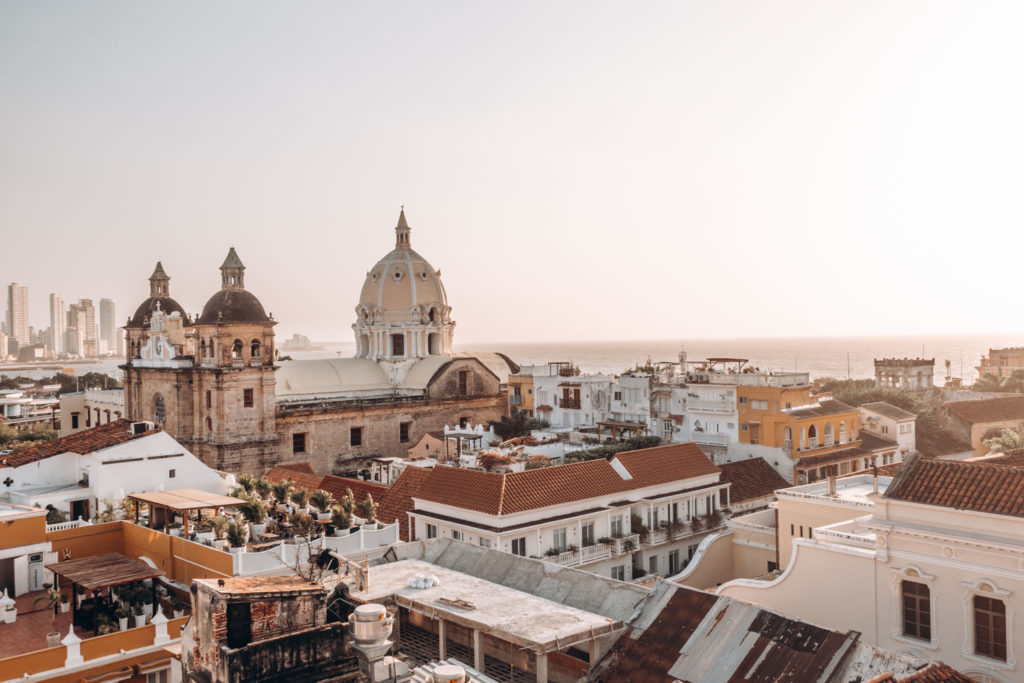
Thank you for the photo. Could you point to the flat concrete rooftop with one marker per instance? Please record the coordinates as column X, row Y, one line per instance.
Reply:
column 509, row 614
column 856, row 489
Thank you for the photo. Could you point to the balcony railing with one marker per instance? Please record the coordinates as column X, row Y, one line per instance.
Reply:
column 255, row 362
column 654, row 536
column 710, row 439
column 711, row 406
column 626, row 544
column 585, row 555
column 678, row 531
column 569, row 405
column 238, row 362
column 208, row 363
column 514, row 400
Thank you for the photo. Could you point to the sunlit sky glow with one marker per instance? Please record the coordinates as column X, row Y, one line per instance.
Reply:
column 577, row 170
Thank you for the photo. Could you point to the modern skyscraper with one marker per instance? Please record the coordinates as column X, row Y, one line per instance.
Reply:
column 108, row 326
column 82, row 317
column 58, row 320
column 17, row 313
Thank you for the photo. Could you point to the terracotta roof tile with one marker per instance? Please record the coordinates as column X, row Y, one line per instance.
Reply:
column 824, row 408
column 88, row 441
column 988, row 410
column 303, row 476
column 503, row 494
column 751, row 479
column 936, row 673
column 978, row 487
column 360, row 489
column 889, row 410
column 397, row 502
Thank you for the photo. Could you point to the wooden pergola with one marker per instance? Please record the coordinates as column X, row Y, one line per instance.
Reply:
column 102, row 571
column 623, row 428
column 180, row 501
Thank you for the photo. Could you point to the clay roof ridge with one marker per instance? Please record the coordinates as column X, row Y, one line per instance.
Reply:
column 501, row 496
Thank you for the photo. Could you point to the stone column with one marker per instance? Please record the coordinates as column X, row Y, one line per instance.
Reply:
column 478, row 650
column 442, row 641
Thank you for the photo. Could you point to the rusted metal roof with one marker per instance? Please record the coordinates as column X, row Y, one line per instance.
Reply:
column 682, row 634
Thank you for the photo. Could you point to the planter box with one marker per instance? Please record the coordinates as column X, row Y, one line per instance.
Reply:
column 52, row 639
column 65, row 607
column 259, row 529
column 10, row 616
column 122, row 623
column 140, row 620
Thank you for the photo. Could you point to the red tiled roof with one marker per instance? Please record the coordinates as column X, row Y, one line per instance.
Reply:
column 302, row 480
column 298, row 467
column 936, row 673
column 88, row 441
column 998, row 409
column 996, row 489
column 303, row 477
column 503, row 494
column 397, row 503
column 751, row 479
column 360, row 489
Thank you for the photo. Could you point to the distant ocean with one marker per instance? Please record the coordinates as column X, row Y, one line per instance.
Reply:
column 822, row 357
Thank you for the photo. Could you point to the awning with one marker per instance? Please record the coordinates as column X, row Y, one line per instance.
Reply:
column 101, row 571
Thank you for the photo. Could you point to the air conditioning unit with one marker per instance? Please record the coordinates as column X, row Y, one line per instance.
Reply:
column 142, row 427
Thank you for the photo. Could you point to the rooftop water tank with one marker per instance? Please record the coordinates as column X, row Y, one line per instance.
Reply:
column 449, row 673
column 370, row 624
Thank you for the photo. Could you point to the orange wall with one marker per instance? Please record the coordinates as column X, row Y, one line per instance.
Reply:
column 181, row 560
column 87, row 541
column 24, row 531
column 772, row 420
column 92, row 648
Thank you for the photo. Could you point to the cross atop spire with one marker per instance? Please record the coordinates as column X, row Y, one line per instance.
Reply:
column 402, row 231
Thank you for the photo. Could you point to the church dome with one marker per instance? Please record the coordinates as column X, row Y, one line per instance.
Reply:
column 232, row 304
column 403, row 310
column 402, row 286
column 159, row 295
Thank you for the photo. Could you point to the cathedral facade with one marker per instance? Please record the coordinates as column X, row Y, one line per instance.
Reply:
column 216, row 385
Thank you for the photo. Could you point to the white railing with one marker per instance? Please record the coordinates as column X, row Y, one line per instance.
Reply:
column 208, row 363
column 255, row 362
column 571, row 558
column 61, row 526
column 238, row 362
column 863, row 540
column 823, row 495
column 711, row 439
column 654, row 536
column 626, row 544
column 711, row 406
column 291, row 554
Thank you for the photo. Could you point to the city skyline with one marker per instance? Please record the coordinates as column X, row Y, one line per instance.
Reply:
column 653, row 171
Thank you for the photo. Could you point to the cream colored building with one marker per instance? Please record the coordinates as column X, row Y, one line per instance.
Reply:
column 935, row 568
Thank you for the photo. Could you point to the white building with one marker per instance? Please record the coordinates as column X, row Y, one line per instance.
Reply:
column 83, row 410
column 642, row 512
column 935, row 568
column 17, row 313
column 77, row 473
column 572, row 401
column 58, row 321
column 892, row 423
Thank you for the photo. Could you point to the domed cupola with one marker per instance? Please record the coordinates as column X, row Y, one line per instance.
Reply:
column 403, row 310
column 232, row 304
column 159, row 298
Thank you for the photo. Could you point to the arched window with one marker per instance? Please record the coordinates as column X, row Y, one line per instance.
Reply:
column 697, row 426
column 434, row 343
column 236, row 350
column 829, row 435
column 787, row 438
column 433, row 315
column 254, row 349
column 844, row 435
column 202, row 349
column 812, row 437
column 209, row 424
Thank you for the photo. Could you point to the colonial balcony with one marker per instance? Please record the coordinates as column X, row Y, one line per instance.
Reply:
column 710, row 406
column 238, row 362
column 585, row 555
column 626, row 544
column 654, row 536
column 515, row 400
column 569, row 405
column 255, row 362
column 208, row 363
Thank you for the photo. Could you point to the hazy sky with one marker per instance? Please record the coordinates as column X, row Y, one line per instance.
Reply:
column 577, row 170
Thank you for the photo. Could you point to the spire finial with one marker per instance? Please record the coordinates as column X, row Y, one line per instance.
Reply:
column 402, row 231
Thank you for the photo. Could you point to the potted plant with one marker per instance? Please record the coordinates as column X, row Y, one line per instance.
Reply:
column 302, row 526
column 281, row 491
column 246, row 482
column 65, row 605
column 174, row 528
column 178, row 608
column 368, row 509
column 301, row 498
column 79, row 595
column 104, row 625
column 262, row 487
column 219, row 525
column 322, row 501
column 236, row 537
column 255, row 512
column 8, row 608
column 122, row 618
column 52, row 599
column 140, row 615
column 341, row 519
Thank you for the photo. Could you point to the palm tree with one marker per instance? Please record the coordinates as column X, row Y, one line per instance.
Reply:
column 247, row 482
column 52, row 600
column 321, row 500
column 368, row 508
column 262, row 487
column 340, row 518
column 300, row 497
column 1008, row 440
column 219, row 525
